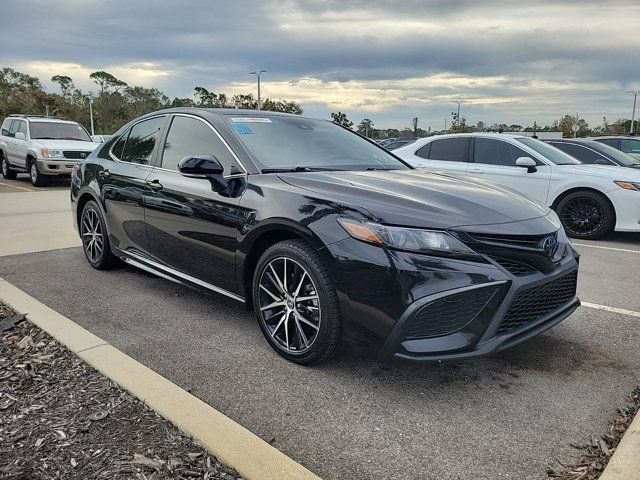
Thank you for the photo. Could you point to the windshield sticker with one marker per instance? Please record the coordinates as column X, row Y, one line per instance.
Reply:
column 242, row 129
column 251, row 120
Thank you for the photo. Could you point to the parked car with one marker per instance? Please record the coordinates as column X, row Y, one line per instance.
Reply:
column 628, row 145
column 399, row 142
column 591, row 200
column 592, row 152
column 321, row 231
column 386, row 141
column 43, row 146
column 100, row 138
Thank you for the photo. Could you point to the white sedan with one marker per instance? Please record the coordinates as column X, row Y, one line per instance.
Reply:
column 590, row 200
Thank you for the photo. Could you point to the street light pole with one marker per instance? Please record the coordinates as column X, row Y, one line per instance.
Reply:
column 458, row 114
column 257, row 73
column 633, row 114
column 91, row 115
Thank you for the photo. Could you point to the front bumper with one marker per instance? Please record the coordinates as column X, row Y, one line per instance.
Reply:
column 422, row 308
column 627, row 206
column 62, row 166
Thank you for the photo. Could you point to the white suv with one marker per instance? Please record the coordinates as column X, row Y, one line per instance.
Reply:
column 590, row 200
column 42, row 146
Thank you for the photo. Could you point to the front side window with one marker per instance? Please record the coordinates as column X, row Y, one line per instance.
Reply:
column 630, row 146
column 583, row 154
column 449, row 149
column 287, row 142
column 549, row 152
column 496, row 152
column 141, row 141
column 22, row 127
column 6, row 126
column 189, row 137
column 58, row 131
column 15, row 126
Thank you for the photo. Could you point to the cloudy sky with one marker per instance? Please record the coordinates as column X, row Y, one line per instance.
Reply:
column 511, row 61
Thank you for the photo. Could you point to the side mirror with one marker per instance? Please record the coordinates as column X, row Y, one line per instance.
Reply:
column 20, row 136
column 528, row 163
column 97, row 139
column 204, row 166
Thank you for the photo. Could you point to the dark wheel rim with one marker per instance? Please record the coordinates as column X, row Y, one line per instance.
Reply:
column 583, row 216
column 289, row 305
column 34, row 172
column 92, row 235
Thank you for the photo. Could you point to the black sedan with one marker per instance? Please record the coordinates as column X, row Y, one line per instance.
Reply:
column 594, row 152
column 324, row 233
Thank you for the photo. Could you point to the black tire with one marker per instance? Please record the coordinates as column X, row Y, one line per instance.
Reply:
column 37, row 178
column 586, row 214
column 6, row 170
column 92, row 219
column 322, row 341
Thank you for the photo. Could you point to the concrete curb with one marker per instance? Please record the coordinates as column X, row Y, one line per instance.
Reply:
column 625, row 463
column 233, row 444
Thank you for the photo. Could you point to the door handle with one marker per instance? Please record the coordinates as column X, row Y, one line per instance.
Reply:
column 103, row 173
column 154, row 184
column 476, row 170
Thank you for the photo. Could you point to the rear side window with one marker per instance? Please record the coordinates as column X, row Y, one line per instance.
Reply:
column 423, row 152
column 449, row 149
column 141, row 141
column 496, row 152
column 15, row 126
column 630, row 146
column 6, row 126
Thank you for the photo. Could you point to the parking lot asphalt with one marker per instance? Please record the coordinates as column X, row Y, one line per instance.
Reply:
column 506, row 416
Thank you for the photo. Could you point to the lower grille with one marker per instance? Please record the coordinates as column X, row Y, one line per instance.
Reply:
column 449, row 314
column 75, row 154
column 536, row 302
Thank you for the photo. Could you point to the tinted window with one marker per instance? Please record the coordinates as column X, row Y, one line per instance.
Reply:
column 496, row 152
column 629, row 146
column 450, row 149
column 59, row 131
column 189, row 137
column 549, row 152
column 119, row 146
column 424, row 151
column 609, row 141
column 583, row 154
column 14, row 128
column 22, row 128
column 142, row 140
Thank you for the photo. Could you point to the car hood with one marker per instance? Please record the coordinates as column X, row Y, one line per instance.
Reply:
column 77, row 145
column 612, row 172
column 421, row 199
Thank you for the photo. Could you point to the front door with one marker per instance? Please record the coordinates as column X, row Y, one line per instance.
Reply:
column 190, row 227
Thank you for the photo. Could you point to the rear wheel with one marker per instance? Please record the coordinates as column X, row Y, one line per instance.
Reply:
column 586, row 214
column 95, row 241
column 37, row 178
column 296, row 303
column 6, row 170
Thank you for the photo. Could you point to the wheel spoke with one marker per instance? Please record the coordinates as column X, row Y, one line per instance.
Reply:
column 278, row 303
column 297, row 292
column 269, row 292
column 273, row 276
column 307, row 298
column 306, row 321
column 300, row 331
column 273, row 333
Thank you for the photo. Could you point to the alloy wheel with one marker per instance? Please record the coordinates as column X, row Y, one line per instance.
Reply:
column 33, row 171
column 583, row 216
column 289, row 305
column 5, row 168
column 92, row 235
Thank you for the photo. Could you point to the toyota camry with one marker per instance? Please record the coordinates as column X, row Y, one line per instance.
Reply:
column 323, row 233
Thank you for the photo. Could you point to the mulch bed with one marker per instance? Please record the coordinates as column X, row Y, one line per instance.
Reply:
column 60, row 418
column 597, row 452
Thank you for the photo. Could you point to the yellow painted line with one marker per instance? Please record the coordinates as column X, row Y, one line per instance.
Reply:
column 615, row 249
column 17, row 186
column 233, row 444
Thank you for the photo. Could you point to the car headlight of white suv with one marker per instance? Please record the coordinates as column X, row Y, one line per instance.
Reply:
column 51, row 153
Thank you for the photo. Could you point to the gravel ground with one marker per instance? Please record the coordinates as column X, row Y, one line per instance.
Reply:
column 60, row 418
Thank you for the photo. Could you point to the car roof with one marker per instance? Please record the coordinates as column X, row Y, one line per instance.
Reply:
column 225, row 111
column 603, row 137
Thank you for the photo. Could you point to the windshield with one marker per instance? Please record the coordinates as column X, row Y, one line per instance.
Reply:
column 285, row 142
column 59, row 131
column 620, row 157
column 550, row 153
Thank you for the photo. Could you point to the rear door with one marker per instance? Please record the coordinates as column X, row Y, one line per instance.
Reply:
column 495, row 160
column 123, row 184
column 449, row 155
column 190, row 227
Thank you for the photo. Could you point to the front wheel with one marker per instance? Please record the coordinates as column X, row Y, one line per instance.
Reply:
column 296, row 303
column 37, row 178
column 586, row 214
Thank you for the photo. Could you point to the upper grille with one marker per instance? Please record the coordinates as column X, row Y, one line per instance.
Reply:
column 528, row 241
column 536, row 302
column 518, row 269
column 75, row 154
column 449, row 314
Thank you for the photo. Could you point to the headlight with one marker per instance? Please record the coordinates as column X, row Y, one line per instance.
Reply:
column 48, row 153
column 404, row 238
column 628, row 185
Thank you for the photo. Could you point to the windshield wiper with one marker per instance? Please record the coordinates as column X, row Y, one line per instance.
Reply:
column 298, row 169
